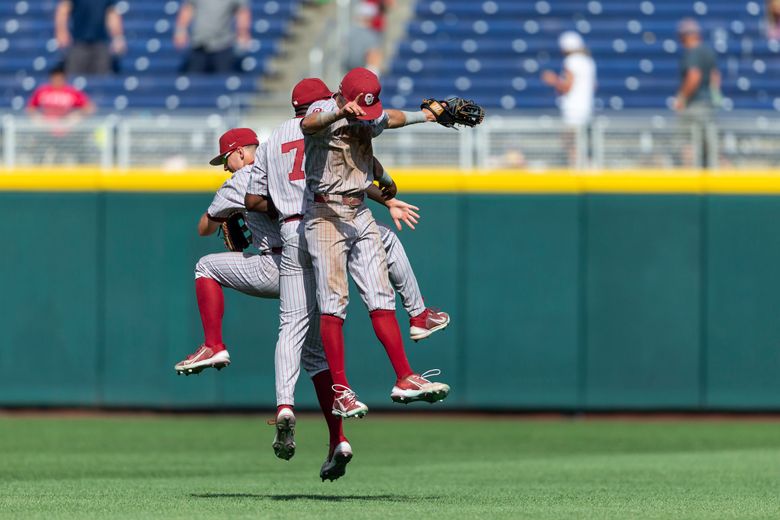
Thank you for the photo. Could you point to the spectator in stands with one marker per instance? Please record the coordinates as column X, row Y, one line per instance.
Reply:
column 773, row 19
column 576, row 86
column 213, row 42
column 699, row 91
column 91, row 31
column 60, row 107
column 366, row 37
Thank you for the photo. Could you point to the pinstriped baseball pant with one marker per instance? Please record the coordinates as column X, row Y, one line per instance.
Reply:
column 299, row 340
column 252, row 274
column 338, row 235
column 259, row 275
column 401, row 275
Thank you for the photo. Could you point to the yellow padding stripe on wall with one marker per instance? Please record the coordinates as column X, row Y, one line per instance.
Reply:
column 415, row 180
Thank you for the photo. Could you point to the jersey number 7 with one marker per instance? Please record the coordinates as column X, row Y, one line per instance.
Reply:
column 297, row 173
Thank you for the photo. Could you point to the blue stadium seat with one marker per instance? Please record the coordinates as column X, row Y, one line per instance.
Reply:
column 495, row 50
column 149, row 71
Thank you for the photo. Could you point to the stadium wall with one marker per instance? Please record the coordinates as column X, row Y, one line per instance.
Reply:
column 628, row 290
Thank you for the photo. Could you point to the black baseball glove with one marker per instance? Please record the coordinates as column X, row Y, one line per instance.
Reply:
column 455, row 111
column 235, row 233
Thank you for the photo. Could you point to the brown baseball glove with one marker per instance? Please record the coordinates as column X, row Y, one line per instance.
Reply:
column 455, row 111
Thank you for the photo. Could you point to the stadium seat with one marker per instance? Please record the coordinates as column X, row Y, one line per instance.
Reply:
column 494, row 51
column 149, row 75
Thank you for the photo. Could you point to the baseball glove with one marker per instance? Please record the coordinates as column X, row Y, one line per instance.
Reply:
column 455, row 111
column 235, row 233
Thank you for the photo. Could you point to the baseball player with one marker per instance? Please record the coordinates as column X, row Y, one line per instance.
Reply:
column 281, row 179
column 252, row 274
column 340, row 230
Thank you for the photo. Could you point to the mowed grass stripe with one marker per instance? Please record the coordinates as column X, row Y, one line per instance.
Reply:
column 223, row 467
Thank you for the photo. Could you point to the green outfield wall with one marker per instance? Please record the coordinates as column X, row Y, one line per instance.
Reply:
column 579, row 301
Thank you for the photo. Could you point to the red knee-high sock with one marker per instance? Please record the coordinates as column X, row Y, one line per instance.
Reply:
column 323, row 385
column 211, row 303
column 386, row 329
column 332, row 332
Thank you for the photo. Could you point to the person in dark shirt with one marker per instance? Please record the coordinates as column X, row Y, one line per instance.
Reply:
column 91, row 31
column 699, row 92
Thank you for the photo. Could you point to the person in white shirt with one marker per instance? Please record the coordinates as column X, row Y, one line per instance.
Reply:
column 576, row 85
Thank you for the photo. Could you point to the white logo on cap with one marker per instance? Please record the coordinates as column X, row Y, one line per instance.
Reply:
column 369, row 99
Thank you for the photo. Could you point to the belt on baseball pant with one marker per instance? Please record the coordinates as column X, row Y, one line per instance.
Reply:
column 293, row 218
column 272, row 251
column 346, row 200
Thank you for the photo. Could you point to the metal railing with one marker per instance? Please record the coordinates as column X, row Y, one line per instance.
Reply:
column 534, row 143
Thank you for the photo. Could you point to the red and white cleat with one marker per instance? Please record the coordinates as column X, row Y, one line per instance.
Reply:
column 204, row 357
column 335, row 466
column 345, row 403
column 427, row 322
column 418, row 388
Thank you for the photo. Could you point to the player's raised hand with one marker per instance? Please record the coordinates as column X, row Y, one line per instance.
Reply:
column 352, row 109
column 401, row 211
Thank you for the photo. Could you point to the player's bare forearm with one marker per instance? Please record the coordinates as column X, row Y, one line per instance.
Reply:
column 319, row 121
column 256, row 203
column 207, row 226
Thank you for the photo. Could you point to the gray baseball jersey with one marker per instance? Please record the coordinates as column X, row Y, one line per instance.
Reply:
column 340, row 158
column 230, row 199
column 278, row 173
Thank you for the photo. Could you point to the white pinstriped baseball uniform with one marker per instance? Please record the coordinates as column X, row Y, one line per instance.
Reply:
column 281, row 178
column 339, row 161
column 255, row 274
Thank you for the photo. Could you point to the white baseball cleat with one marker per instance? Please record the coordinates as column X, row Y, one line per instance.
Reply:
column 335, row 466
column 284, row 439
column 345, row 403
column 203, row 358
column 418, row 388
column 427, row 322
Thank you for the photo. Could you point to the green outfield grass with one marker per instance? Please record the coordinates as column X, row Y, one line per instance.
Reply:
column 408, row 467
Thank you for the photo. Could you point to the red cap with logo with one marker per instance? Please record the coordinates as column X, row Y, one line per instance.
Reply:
column 232, row 140
column 363, row 81
column 309, row 90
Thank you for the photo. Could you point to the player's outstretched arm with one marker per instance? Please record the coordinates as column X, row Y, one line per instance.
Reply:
column 207, row 226
column 319, row 121
column 399, row 118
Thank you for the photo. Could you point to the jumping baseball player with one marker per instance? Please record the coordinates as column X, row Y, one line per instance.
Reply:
column 252, row 274
column 340, row 229
column 281, row 179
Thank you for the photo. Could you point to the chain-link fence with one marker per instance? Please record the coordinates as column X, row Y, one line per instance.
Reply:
column 533, row 143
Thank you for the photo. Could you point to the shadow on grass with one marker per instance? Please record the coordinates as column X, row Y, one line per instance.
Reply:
column 323, row 498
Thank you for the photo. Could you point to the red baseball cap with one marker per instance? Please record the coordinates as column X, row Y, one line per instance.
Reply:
column 309, row 90
column 363, row 81
column 232, row 140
